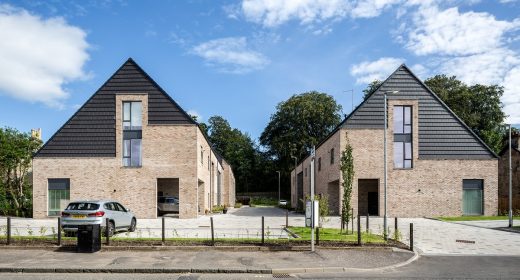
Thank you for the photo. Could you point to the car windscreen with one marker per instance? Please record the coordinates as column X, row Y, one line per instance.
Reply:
column 83, row 206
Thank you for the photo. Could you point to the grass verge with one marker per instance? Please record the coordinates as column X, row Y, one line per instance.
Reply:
column 332, row 234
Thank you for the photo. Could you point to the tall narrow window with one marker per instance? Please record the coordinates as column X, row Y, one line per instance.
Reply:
column 319, row 164
column 472, row 197
column 132, row 133
column 403, row 137
column 332, row 156
column 58, row 195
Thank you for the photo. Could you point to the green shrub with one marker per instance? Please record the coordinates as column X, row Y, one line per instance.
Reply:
column 238, row 205
column 263, row 201
column 217, row 208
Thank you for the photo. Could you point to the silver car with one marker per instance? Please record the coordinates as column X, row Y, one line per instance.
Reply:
column 96, row 212
column 167, row 204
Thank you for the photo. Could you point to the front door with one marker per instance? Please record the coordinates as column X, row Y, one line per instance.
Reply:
column 373, row 204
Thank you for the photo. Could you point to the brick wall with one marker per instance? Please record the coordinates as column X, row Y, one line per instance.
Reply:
column 430, row 188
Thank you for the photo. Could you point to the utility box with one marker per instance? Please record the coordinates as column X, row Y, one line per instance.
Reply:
column 312, row 213
column 89, row 238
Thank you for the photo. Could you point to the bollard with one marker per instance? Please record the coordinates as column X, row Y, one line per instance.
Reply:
column 163, row 231
column 8, row 230
column 263, row 230
column 212, row 232
column 59, row 231
column 318, row 236
column 411, row 236
column 286, row 217
column 358, row 230
column 395, row 228
column 352, row 220
column 107, row 231
column 368, row 221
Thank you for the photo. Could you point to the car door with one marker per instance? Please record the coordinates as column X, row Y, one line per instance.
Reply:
column 112, row 213
column 126, row 217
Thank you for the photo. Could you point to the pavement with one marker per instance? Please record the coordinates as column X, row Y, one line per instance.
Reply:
column 205, row 261
column 431, row 237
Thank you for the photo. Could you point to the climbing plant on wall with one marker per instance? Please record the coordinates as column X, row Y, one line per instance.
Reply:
column 347, row 173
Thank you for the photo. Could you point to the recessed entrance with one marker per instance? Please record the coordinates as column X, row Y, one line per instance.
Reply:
column 368, row 197
column 167, row 196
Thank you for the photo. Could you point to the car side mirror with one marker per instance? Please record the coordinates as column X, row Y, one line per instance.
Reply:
column 128, row 210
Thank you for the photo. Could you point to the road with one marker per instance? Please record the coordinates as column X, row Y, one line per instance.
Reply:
column 438, row 267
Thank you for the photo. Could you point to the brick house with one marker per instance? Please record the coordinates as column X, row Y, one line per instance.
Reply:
column 436, row 165
column 503, row 176
column 131, row 142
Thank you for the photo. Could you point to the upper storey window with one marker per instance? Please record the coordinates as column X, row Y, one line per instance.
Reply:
column 403, row 136
column 132, row 115
column 132, row 134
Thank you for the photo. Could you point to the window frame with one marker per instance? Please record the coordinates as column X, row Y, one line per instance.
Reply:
column 332, row 156
column 319, row 164
column 403, row 138
column 130, row 134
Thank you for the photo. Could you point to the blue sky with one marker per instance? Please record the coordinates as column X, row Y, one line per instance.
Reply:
column 239, row 59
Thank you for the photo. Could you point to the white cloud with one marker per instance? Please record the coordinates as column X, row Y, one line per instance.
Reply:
column 371, row 8
column 449, row 32
column 271, row 13
column 420, row 71
column 39, row 56
column 231, row 55
column 485, row 68
column 368, row 71
column 511, row 98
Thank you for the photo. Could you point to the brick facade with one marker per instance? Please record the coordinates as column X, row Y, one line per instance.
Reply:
column 431, row 188
column 168, row 151
column 503, row 177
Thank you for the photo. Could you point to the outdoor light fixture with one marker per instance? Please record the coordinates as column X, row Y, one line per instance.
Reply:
column 385, row 163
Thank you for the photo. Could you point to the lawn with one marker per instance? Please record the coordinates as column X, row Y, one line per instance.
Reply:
column 263, row 201
column 476, row 218
column 332, row 234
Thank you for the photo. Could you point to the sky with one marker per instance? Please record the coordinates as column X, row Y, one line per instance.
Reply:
column 239, row 59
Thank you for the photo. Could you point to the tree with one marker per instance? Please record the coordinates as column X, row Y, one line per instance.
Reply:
column 371, row 88
column 298, row 124
column 16, row 150
column 478, row 106
column 347, row 173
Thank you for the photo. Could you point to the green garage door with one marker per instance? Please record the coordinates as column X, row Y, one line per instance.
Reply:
column 472, row 197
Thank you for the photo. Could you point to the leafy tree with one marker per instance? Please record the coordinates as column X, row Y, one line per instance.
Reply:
column 16, row 150
column 478, row 106
column 371, row 88
column 347, row 173
column 298, row 124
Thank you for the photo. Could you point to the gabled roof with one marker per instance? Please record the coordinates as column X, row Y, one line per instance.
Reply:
column 90, row 132
column 442, row 134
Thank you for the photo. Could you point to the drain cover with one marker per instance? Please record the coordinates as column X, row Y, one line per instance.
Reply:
column 281, row 275
column 465, row 241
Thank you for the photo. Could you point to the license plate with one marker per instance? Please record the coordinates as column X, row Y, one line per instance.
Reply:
column 79, row 216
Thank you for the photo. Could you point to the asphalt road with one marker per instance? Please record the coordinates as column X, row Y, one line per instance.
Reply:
column 438, row 267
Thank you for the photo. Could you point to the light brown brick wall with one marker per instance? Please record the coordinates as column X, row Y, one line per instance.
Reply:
column 228, row 185
column 439, row 181
column 168, row 152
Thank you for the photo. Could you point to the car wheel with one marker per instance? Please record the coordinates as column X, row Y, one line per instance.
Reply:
column 111, row 229
column 133, row 224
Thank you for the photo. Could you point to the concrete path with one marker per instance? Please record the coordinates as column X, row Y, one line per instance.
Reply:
column 207, row 261
column 434, row 237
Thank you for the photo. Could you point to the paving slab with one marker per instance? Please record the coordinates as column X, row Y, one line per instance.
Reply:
column 209, row 261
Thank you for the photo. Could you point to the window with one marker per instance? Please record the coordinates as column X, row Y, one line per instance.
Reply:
column 332, row 156
column 208, row 163
column 132, row 115
column 472, row 197
column 58, row 195
column 402, row 137
column 319, row 164
column 201, row 155
column 132, row 134
column 305, row 171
